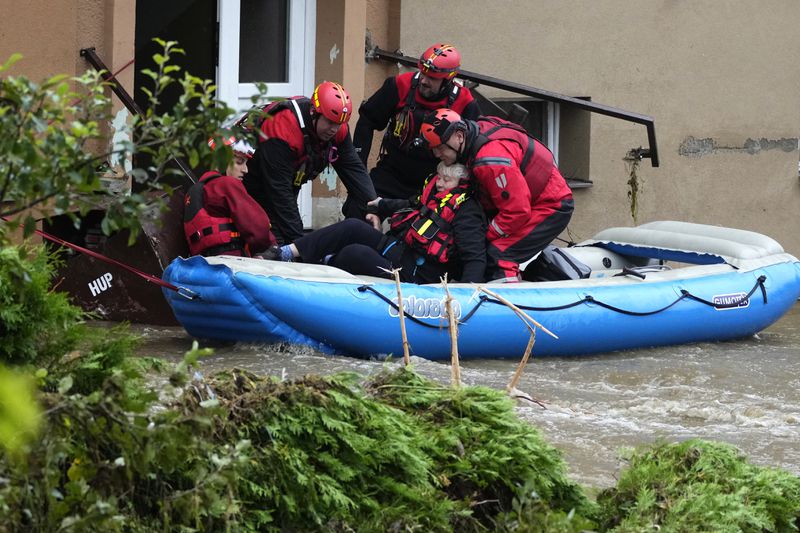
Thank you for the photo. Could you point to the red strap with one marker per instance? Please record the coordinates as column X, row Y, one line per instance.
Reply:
column 146, row 276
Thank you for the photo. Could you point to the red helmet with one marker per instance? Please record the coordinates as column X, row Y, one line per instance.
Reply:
column 332, row 101
column 440, row 61
column 439, row 125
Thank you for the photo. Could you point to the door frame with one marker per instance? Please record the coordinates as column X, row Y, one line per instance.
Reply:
column 300, row 63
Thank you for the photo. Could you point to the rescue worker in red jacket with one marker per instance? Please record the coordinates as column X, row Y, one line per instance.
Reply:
column 441, row 234
column 220, row 217
column 526, row 199
column 298, row 138
column 399, row 107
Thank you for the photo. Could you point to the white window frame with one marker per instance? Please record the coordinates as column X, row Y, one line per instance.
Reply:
column 300, row 64
column 553, row 127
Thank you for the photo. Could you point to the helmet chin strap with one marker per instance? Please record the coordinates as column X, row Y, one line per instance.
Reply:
column 314, row 120
column 460, row 151
column 443, row 90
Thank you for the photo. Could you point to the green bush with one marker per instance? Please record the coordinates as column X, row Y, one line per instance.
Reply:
column 699, row 486
column 484, row 455
column 246, row 453
column 37, row 325
column 104, row 463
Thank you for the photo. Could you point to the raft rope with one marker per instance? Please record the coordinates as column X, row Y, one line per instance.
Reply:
column 183, row 291
column 482, row 299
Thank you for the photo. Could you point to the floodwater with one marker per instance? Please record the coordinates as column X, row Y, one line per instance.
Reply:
column 746, row 392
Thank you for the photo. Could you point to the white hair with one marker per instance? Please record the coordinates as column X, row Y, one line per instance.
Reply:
column 456, row 170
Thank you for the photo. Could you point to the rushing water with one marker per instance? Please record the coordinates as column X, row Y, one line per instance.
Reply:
column 746, row 392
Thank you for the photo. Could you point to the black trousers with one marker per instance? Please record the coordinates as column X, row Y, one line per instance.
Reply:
column 352, row 245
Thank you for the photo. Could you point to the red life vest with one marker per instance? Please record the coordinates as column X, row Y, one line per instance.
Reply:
column 428, row 228
column 208, row 235
column 537, row 164
column 403, row 127
column 315, row 156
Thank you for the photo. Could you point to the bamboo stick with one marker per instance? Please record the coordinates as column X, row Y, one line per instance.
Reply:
column 401, row 314
column 520, row 313
column 529, row 323
column 518, row 374
column 452, row 324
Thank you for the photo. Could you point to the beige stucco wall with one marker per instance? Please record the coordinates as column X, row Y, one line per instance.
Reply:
column 339, row 57
column 50, row 35
column 722, row 72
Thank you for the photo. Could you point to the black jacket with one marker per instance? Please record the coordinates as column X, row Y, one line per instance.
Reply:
column 407, row 162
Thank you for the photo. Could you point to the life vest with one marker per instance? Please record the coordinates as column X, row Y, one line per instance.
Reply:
column 208, row 235
column 537, row 162
column 403, row 127
column 427, row 229
column 316, row 156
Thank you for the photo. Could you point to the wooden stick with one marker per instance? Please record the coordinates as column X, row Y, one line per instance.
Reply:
column 518, row 374
column 528, row 321
column 452, row 324
column 402, row 315
column 520, row 313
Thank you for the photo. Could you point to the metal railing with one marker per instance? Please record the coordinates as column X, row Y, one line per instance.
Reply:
column 650, row 152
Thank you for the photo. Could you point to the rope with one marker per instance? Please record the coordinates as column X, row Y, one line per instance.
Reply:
column 588, row 299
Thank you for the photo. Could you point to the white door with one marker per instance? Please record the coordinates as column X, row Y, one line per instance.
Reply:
column 269, row 41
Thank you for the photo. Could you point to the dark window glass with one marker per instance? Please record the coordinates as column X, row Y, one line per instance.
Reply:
column 264, row 41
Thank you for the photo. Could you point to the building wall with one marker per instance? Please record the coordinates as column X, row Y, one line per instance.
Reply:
column 50, row 35
column 339, row 58
column 719, row 78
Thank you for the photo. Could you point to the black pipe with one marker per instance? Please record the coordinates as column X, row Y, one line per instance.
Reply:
column 91, row 56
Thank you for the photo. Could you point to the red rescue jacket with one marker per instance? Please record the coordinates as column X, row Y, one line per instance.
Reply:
column 290, row 120
column 519, row 180
column 537, row 163
column 412, row 107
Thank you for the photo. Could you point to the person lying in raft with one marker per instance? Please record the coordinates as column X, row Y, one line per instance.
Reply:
column 442, row 234
column 219, row 217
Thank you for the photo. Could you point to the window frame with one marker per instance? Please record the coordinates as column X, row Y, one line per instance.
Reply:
column 302, row 40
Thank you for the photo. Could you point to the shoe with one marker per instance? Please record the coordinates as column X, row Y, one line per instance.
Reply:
column 273, row 253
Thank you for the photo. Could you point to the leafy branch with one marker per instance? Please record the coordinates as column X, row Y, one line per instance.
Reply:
column 59, row 134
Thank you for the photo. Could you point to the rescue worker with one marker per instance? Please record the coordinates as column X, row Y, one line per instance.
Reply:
column 527, row 201
column 219, row 216
column 442, row 234
column 399, row 107
column 298, row 138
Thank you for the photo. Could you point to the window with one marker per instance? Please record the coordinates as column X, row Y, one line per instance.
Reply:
column 270, row 41
column 563, row 129
column 263, row 41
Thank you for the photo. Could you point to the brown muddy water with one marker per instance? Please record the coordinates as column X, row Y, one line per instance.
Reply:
column 746, row 392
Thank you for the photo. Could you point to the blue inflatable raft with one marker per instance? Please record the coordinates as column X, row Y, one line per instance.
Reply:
column 657, row 284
